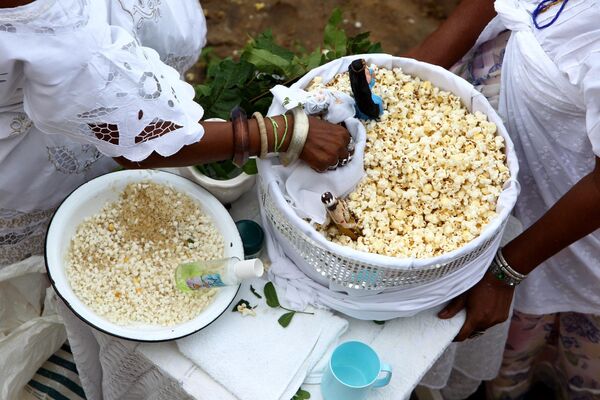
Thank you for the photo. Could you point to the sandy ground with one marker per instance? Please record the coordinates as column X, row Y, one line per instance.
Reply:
column 397, row 24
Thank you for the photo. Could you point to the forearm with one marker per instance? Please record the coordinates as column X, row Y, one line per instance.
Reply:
column 455, row 36
column 574, row 216
column 215, row 145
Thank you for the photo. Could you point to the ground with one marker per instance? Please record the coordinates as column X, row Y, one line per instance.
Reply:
column 397, row 24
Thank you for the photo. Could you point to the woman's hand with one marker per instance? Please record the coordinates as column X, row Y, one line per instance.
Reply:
column 487, row 304
column 326, row 145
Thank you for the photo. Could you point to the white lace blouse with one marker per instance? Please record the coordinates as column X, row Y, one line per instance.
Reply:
column 81, row 80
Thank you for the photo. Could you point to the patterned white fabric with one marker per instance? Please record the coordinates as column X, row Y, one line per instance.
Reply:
column 66, row 65
column 550, row 100
column 77, row 83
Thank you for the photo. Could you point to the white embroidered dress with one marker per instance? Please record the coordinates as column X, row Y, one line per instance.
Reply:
column 77, row 85
column 550, row 100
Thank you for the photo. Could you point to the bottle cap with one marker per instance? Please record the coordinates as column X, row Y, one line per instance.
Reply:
column 252, row 236
column 249, row 269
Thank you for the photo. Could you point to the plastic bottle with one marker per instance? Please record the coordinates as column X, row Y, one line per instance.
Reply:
column 209, row 274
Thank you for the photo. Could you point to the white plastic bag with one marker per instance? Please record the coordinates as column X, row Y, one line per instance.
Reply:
column 30, row 329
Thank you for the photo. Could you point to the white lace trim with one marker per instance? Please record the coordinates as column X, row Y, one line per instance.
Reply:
column 22, row 234
column 38, row 17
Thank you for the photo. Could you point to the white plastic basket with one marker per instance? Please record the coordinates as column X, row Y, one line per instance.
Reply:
column 358, row 273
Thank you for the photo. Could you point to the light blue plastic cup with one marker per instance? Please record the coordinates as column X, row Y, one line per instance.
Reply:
column 354, row 369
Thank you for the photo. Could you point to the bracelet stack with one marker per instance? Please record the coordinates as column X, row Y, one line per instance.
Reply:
column 298, row 137
column 504, row 272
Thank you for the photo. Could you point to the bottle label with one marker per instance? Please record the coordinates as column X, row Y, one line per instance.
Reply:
column 205, row 281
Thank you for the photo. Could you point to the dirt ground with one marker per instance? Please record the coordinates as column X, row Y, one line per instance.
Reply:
column 397, row 24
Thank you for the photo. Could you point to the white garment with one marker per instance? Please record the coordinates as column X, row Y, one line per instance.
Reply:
column 67, row 65
column 550, row 100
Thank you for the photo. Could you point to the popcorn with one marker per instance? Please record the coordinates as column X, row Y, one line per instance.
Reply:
column 434, row 170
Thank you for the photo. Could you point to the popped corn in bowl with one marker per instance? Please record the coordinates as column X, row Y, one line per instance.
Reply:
column 434, row 170
column 113, row 263
column 433, row 203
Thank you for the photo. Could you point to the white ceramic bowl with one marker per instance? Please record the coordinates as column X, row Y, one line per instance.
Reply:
column 87, row 200
column 227, row 191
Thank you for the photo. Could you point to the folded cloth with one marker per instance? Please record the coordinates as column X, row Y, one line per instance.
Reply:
column 257, row 359
column 304, row 186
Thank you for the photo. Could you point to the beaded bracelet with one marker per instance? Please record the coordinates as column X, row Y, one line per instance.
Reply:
column 241, row 137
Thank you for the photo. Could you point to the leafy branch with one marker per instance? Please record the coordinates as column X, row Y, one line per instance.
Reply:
column 273, row 302
column 263, row 64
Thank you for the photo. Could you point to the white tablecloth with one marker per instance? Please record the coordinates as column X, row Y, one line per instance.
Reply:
column 115, row 369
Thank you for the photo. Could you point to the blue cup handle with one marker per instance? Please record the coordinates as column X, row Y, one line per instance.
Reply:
column 387, row 369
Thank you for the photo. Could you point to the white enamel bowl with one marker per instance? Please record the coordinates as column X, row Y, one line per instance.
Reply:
column 86, row 201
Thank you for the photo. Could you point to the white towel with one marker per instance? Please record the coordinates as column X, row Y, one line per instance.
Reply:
column 257, row 359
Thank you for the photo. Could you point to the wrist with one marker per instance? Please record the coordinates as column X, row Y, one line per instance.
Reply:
column 504, row 272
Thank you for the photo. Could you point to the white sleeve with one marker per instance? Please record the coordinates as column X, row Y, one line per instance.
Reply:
column 590, row 85
column 117, row 96
column 176, row 29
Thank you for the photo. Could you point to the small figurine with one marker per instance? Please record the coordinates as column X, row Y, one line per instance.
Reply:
column 368, row 104
column 340, row 215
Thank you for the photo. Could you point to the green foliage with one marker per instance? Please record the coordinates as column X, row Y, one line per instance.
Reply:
column 271, row 295
column 254, row 292
column 263, row 64
column 286, row 318
column 273, row 302
column 301, row 395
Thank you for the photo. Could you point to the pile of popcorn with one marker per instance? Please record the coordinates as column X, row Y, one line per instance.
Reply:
column 434, row 170
column 122, row 260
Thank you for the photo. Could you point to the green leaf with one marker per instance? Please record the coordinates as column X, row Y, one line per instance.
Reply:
column 303, row 394
column 250, row 167
column 271, row 295
column 266, row 41
column 286, row 318
column 334, row 37
column 266, row 61
column 254, row 292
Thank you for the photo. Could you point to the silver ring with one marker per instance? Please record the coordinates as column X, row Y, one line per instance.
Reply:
column 334, row 166
column 351, row 145
column 345, row 161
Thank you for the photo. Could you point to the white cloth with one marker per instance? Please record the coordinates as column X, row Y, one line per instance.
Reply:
column 30, row 329
column 67, row 64
column 550, row 100
column 257, row 359
column 296, row 191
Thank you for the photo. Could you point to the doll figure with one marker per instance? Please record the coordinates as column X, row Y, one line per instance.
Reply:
column 340, row 215
column 368, row 104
